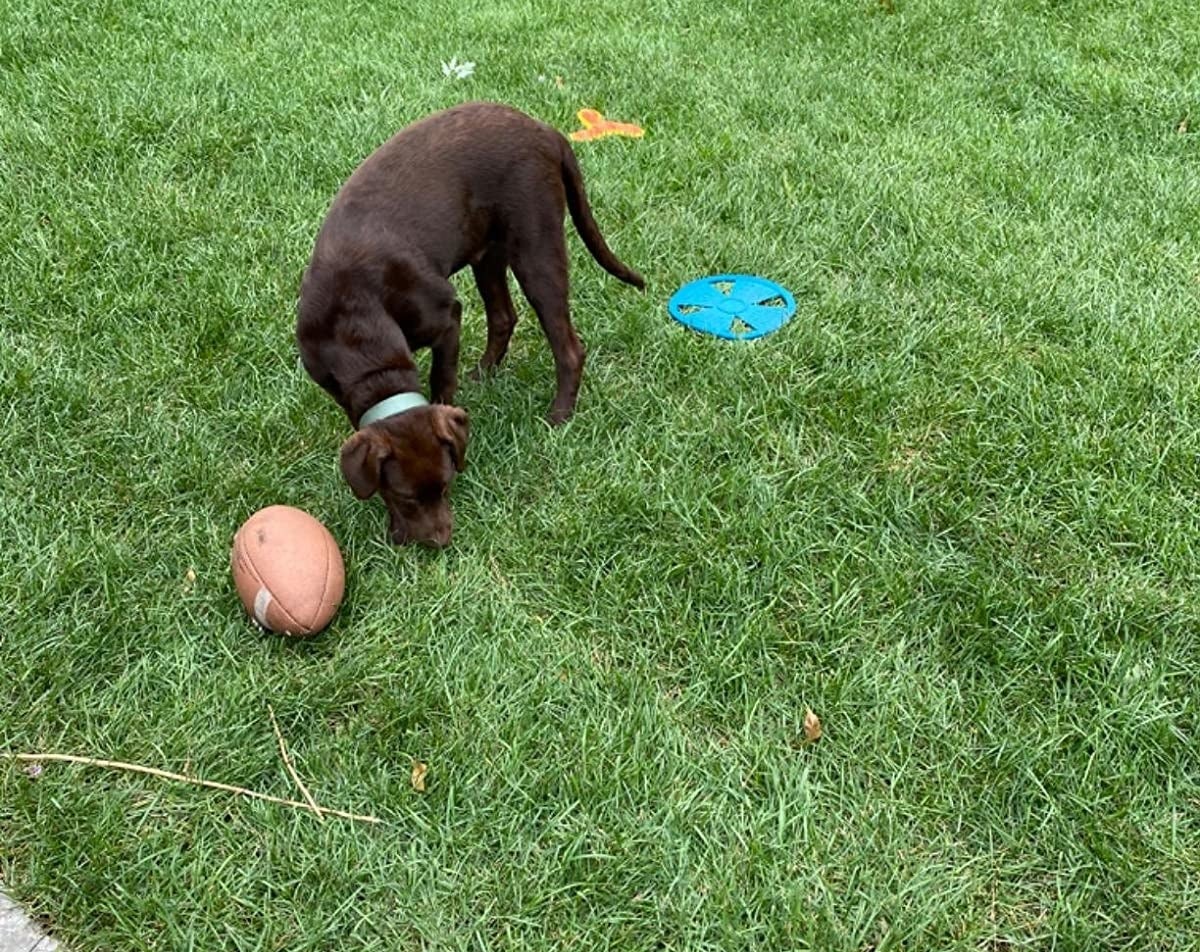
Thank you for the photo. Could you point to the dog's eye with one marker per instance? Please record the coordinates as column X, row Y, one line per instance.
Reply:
column 402, row 497
column 433, row 493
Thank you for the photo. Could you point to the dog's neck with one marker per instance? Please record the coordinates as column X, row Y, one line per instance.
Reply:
column 378, row 385
column 392, row 406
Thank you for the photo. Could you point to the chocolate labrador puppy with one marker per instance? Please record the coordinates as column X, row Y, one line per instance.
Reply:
column 481, row 185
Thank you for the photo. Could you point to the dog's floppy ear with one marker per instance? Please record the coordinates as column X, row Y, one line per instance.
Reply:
column 362, row 456
column 450, row 425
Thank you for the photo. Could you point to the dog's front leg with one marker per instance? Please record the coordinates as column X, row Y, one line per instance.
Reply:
column 443, row 372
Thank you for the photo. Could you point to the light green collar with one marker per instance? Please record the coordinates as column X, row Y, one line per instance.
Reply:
column 400, row 403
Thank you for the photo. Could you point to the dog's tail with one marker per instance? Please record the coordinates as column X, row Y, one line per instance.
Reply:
column 585, row 224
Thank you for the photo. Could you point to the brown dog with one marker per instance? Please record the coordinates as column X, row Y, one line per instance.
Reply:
column 480, row 185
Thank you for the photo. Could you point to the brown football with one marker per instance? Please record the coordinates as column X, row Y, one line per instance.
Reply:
column 288, row 570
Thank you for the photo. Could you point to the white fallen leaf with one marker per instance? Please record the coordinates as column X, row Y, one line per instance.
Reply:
column 456, row 70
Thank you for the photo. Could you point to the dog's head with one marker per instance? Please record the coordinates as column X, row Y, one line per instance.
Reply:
column 410, row 459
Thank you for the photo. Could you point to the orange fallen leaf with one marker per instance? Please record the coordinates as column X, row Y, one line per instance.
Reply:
column 812, row 727
column 418, row 776
column 595, row 126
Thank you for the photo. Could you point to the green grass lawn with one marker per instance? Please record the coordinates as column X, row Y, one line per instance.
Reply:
column 952, row 507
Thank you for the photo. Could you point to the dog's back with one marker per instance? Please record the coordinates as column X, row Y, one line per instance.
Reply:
column 440, row 187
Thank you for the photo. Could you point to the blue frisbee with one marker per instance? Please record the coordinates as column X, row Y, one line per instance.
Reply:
column 733, row 306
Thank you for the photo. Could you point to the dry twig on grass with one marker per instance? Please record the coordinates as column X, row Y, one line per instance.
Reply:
column 195, row 781
column 291, row 768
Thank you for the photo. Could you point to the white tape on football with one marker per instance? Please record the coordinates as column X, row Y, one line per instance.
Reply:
column 262, row 601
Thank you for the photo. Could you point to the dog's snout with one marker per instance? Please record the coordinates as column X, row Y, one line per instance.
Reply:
column 435, row 538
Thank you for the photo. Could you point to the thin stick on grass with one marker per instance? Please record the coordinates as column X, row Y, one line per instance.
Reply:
column 291, row 768
column 195, row 781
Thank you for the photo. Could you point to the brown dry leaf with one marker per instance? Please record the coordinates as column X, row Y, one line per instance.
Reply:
column 418, row 776
column 1183, row 125
column 812, row 727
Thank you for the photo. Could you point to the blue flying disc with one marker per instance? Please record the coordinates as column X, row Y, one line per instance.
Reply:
column 733, row 306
